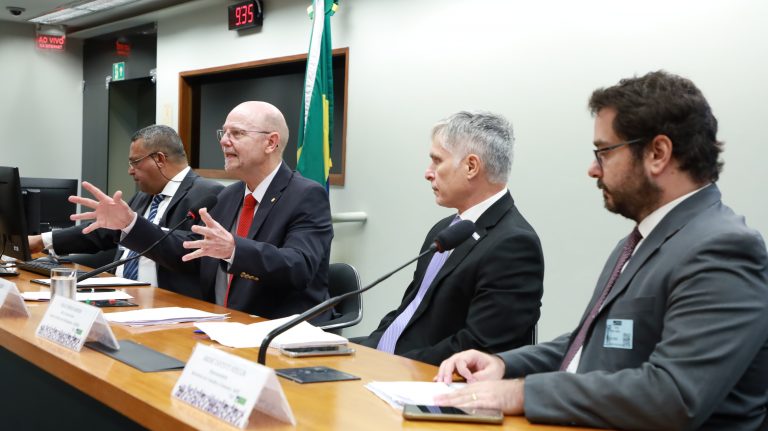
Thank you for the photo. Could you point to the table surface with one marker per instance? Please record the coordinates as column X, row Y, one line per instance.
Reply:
column 146, row 397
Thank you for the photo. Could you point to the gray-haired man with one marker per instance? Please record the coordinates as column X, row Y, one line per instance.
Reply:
column 486, row 293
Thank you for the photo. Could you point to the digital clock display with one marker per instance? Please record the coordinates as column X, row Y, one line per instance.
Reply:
column 245, row 14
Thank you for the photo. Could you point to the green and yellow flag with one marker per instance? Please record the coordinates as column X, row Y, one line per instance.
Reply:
column 313, row 158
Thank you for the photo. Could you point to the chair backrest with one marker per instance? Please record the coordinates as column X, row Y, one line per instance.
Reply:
column 343, row 278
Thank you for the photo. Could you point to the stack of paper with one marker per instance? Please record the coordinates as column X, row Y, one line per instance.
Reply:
column 399, row 393
column 80, row 296
column 238, row 335
column 98, row 282
column 162, row 316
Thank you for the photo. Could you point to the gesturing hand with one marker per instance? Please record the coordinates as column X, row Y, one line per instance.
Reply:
column 217, row 242
column 108, row 212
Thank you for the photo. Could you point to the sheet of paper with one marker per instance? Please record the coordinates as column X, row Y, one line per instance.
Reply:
column 396, row 394
column 98, row 282
column 162, row 315
column 80, row 296
column 238, row 335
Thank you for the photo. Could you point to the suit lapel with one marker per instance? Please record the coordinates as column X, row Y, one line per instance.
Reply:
column 228, row 207
column 184, row 187
column 274, row 191
column 669, row 226
column 141, row 202
column 486, row 222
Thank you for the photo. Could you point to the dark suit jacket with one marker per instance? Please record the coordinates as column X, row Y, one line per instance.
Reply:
column 697, row 293
column 190, row 191
column 486, row 296
column 281, row 268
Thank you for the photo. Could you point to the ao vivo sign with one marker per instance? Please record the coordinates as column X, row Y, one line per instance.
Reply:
column 49, row 41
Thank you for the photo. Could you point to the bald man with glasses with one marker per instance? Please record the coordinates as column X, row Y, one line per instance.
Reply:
column 264, row 248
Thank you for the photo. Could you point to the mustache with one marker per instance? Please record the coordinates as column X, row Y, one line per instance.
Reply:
column 600, row 185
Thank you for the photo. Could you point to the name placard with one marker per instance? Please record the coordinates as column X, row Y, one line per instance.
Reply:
column 230, row 387
column 71, row 323
column 11, row 302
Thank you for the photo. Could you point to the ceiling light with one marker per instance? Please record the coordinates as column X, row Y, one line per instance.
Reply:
column 79, row 10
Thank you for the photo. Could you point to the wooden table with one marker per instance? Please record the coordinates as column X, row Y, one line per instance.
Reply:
column 107, row 390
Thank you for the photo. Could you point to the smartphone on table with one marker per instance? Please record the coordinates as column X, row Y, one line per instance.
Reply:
column 452, row 414
column 299, row 352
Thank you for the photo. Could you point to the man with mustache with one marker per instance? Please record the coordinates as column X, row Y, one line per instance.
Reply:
column 168, row 188
column 676, row 333
column 264, row 248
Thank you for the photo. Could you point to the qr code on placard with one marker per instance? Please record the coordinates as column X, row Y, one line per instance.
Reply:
column 59, row 337
column 219, row 408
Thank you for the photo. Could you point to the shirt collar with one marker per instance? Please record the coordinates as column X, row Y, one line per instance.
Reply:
column 173, row 185
column 474, row 213
column 649, row 223
column 260, row 190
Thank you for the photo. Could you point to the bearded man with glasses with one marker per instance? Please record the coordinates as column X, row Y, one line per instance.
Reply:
column 676, row 333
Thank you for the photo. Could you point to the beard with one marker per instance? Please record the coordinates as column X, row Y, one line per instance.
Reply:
column 634, row 198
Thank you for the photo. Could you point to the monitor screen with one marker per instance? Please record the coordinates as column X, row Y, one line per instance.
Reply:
column 55, row 207
column 13, row 224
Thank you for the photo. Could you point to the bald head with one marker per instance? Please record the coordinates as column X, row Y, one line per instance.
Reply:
column 267, row 117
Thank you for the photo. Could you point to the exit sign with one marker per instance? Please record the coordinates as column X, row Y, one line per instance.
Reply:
column 118, row 71
column 50, row 41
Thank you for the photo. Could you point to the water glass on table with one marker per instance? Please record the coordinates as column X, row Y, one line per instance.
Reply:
column 64, row 282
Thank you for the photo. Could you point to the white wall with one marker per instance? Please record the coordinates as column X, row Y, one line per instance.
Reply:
column 41, row 105
column 414, row 62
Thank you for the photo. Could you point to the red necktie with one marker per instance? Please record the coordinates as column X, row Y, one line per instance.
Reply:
column 243, row 226
column 578, row 342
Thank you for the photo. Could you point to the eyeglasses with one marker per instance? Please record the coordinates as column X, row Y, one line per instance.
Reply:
column 236, row 134
column 599, row 157
column 133, row 163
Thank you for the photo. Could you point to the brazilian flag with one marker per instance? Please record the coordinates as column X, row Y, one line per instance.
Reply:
column 313, row 158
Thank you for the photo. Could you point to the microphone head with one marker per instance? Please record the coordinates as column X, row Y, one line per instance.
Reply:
column 450, row 237
column 206, row 202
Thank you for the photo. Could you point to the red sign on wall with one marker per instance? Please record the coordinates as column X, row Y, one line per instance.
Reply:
column 123, row 49
column 50, row 42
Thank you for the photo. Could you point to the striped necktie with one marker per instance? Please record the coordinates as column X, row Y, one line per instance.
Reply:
column 131, row 268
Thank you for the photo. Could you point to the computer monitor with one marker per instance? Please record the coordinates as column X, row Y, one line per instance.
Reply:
column 54, row 206
column 13, row 222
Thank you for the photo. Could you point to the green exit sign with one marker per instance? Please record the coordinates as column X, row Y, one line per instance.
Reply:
column 118, row 71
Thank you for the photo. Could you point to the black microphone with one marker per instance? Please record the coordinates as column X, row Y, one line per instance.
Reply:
column 448, row 239
column 193, row 214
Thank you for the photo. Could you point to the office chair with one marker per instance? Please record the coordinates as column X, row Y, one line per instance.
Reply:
column 343, row 278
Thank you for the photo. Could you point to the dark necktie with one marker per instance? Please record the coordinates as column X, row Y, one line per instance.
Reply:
column 395, row 329
column 578, row 342
column 243, row 226
column 131, row 268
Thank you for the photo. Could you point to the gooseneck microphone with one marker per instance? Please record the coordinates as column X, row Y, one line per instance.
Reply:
column 448, row 239
column 193, row 214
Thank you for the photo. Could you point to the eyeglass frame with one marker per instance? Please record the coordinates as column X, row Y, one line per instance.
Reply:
column 221, row 132
column 133, row 163
column 597, row 151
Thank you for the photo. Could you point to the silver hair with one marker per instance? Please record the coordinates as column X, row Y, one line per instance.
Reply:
column 485, row 134
column 158, row 137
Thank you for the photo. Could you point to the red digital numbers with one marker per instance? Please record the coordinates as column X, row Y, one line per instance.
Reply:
column 244, row 15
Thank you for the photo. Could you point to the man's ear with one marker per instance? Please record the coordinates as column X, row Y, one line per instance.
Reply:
column 658, row 154
column 473, row 165
column 273, row 142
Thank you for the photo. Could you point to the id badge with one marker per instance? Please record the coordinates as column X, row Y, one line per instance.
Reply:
column 618, row 334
